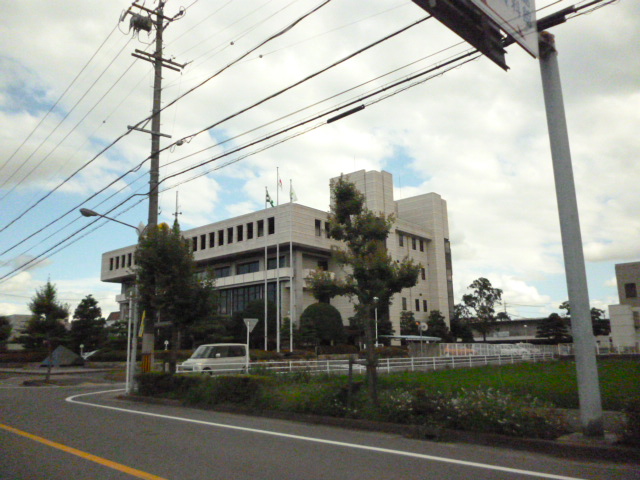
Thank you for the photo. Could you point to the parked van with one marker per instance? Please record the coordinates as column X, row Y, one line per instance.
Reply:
column 216, row 358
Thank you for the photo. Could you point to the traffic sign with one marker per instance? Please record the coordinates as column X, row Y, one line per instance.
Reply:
column 250, row 323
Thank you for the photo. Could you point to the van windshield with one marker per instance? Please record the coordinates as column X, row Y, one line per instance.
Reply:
column 201, row 352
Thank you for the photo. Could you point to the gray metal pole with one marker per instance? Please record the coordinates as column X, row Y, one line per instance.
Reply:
column 584, row 342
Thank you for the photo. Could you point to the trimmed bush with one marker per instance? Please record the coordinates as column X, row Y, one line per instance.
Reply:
column 166, row 385
column 631, row 435
column 228, row 389
column 23, row 356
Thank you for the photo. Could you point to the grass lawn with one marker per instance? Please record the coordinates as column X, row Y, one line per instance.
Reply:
column 551, row 381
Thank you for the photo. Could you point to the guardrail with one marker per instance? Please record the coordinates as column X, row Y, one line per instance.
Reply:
column 386, row 365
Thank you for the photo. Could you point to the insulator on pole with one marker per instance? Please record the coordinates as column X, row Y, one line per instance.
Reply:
column 140, row 22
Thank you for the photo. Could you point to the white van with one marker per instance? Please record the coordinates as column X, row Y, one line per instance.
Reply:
column 216, row 358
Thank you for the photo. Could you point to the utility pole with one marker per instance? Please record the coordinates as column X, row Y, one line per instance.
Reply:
column 584, row 342
column 140, row 21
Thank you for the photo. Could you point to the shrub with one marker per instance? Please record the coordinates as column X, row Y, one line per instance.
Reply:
column 631, row 434
column 228, row 389
column 166, row 385
column 22, row 356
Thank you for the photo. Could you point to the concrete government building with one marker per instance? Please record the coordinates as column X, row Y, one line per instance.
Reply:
column 234, row 250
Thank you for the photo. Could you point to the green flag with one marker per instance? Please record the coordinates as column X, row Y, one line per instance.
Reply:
column 268, row 199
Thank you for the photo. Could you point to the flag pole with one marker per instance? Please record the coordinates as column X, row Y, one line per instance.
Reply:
column 264, row 232
column 291, row 284
column 277, row 263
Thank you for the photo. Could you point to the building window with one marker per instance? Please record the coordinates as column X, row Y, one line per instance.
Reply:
column 271, row 225
column 260, row 228
column 220, row 237
column 194, row 244
column 248, row 267
column 417, row 305
column 423, row 273
column 404, row 303
column 117, row 263
column 111, row 263
column 203, row 242
column 326, row 229
column 271, row 262
column 421, row 245
column 240, row 232
column 129, row 260
column 222, row 272
column 318, row 228
column 401, row 239
column 212, row 239
column 123, row 257
column 413, row 243
column 630, row 290
column 323, row 265
column 424, row 305
column 249, row 231
column 230, row 235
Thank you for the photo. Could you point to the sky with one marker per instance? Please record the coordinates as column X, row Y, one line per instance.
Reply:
column 474, row 134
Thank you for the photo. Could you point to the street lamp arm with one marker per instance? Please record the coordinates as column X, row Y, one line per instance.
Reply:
column 90, row 213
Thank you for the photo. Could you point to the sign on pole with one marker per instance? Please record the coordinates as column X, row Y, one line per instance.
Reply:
column 480, row 23
column 515, row 17
column 250, row 323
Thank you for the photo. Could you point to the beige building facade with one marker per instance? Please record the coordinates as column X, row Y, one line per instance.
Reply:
column 279, row 247
column 625, row 317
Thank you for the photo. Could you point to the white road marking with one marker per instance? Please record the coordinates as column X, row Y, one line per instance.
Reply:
column 421, row 456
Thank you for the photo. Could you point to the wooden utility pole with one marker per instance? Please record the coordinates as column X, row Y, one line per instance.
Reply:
column 140, row 21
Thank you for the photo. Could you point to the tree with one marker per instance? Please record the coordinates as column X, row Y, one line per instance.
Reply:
column 599, row 324
column 5, row 331
column 88, row 326
column 479, row 306
column 554, row 328
column 437, row 326
column 323, row 286
column 371, row 272
column 321, row 324
column 460, row 325
column 408, row 324
column 46, row 327
column 167, row 285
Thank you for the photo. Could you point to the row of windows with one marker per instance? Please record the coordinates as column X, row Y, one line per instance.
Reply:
column 236, row 299
column 424, row 305
column 231, row 234
column 121, row 261
column 416, row 243
column 249, row 267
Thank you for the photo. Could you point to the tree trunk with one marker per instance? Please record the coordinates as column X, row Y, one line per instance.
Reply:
column 372, row 373
column 175, row 340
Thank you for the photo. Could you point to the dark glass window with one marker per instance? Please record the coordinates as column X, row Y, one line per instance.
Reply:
column 413, row 243
column 111, row 263
column 222, row 272
column 326, row 229
column 630, row 290
column 117, row 263
column 240, row 232
column 230, row 235
column 404, row 303
column 129, row 260
column 422, row 245
column 423, row 272
column 249, row 231
column 220, row 237
column 203, row 242
column 424, row 305
column 212, row 239
column 272, row 225
column 318, row 228
column 260, row 228
column 401, row 240
column 194, row 244
column 271, row 262
column 323, row 265
column 417, row 305
column 248, row 267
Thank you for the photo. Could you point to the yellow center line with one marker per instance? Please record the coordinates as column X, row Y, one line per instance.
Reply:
column 102, row 461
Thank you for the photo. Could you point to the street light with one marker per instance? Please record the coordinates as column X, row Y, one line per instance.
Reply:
column 375, row 299
column 133, row 307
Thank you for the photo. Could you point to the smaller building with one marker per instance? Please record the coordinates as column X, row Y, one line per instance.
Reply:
column 625, row 317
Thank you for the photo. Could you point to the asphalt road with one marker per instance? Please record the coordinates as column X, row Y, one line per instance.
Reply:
column 85, row 432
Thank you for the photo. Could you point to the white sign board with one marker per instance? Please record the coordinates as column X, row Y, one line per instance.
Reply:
column 515, row 17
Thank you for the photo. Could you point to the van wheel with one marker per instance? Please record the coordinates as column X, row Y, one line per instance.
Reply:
column 208, row 371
